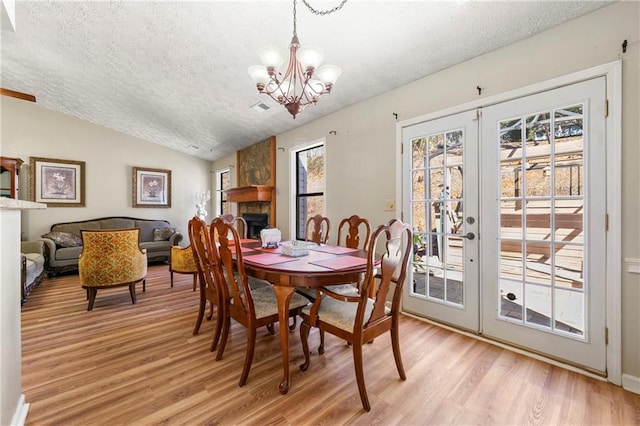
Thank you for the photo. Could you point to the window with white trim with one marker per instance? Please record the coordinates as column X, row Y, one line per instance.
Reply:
column 308, row 170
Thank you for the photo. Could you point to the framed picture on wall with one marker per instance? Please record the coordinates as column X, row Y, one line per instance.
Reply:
column 151, row 187
column 58, row 183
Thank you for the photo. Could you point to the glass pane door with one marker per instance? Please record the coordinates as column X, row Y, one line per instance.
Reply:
column 443, row 216
column 543, row 229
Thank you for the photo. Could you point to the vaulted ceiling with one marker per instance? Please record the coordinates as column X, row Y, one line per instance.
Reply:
column 175, row 72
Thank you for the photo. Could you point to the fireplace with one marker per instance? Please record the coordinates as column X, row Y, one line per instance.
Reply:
column 256, row 222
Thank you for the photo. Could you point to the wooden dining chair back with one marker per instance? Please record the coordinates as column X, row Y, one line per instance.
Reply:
column 317, row 229
column 251, row 307
column 206, row 269
column 354, row 232
column 359, row 319
column 237, row 222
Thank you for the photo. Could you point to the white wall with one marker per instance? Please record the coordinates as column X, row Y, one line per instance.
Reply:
column 29, row 130
column 361, row 157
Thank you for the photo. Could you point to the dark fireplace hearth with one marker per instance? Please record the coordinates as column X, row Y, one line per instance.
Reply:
column 256, row 222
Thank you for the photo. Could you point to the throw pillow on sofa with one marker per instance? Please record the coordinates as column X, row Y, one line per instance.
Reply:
column 163, row 234
column 64, row 239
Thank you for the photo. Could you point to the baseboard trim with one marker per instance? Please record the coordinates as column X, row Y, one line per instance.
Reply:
column 20, row 415
column 631, row 383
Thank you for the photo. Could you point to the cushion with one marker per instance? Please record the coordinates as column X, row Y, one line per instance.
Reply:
column 147, row 227
column 64, row 239
column 163, row 234
column 68, row 253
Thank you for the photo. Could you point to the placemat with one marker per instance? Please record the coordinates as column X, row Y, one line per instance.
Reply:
column 269, row 258
column 332, row 249
column 341, row 262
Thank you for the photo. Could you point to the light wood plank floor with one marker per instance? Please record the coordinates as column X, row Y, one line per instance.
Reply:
column 139, row 364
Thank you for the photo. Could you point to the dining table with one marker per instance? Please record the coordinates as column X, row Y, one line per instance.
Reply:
column 323, row 265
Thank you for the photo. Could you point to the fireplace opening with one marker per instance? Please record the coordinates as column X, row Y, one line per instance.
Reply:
column 256, row 222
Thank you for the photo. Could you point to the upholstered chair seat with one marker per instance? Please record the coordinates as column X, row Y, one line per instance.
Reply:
column 340, row 314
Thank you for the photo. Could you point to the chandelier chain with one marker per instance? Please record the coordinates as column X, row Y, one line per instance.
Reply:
column 323, row 12
column 295, row 33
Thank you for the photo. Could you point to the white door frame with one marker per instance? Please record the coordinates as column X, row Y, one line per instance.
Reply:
column 613, row 73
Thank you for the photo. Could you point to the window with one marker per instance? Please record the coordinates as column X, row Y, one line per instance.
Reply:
column 308, row 169
column 223, row 182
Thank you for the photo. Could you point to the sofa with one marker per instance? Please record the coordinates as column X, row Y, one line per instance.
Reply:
column 64, row 241
column 32, row 256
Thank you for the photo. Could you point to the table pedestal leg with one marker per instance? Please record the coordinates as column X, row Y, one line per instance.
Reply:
column 283, row 295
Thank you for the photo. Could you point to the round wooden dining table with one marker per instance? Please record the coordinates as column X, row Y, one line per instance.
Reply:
column 324, row 265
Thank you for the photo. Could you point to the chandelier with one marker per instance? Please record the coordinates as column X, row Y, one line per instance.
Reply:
column 303, row 82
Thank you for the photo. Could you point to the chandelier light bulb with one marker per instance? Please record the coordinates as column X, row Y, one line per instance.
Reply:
column 328, row 74
column 310, row 57
column 259, row 75
column 272, row 56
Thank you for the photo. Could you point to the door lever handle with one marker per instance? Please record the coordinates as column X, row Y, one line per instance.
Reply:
column 469, row 236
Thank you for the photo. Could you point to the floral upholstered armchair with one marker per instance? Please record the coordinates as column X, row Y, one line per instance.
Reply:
column 182, row 262
column 111, row 258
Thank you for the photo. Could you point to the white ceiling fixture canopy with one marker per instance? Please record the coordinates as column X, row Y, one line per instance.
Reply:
column 303, row 82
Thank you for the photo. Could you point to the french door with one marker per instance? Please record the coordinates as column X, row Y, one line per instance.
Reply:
column 508, row 206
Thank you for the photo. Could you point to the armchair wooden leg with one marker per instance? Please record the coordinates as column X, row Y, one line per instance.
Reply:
column 195, row 278
column 144, row 284
column 132, row 292
column 171, row 272
column 91, row 293
column 357, row 361
column 304, row 339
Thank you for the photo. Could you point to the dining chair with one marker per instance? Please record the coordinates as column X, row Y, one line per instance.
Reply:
column 111, row 258
column 359, row 319
column 353, row 232
column 203, row 258
column 317, row 229
column 252, row 308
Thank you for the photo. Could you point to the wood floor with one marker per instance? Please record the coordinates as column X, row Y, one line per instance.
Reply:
column 139, row 364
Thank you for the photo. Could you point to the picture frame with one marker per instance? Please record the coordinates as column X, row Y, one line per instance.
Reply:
column 56, row 182
column 151, row 187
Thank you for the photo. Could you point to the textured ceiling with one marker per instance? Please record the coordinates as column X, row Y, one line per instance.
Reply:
column 175, row 73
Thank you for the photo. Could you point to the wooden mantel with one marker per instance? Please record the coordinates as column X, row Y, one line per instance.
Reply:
column 245, row 194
